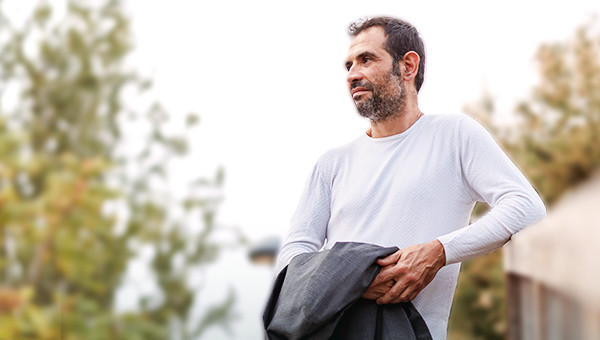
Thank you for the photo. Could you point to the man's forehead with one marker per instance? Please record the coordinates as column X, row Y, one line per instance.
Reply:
column 371, row 39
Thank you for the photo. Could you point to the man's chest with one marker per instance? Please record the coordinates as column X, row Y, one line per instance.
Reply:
column 394, row 179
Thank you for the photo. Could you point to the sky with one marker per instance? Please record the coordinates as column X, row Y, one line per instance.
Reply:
column 268, row 81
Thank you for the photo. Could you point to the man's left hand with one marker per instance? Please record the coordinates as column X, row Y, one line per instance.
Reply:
column 412, row 268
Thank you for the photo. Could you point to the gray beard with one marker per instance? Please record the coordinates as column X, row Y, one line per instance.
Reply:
column 382, row 105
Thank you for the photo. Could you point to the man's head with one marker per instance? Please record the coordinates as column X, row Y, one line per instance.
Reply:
column 378, row 79
column 401, row 37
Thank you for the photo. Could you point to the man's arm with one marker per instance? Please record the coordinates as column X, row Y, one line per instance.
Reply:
column 491, row 177
column 308, row 227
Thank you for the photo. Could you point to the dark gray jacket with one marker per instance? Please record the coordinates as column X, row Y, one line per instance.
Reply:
column 318, row 296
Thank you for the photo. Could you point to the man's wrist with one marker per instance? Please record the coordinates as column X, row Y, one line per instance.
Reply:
column 441, row 253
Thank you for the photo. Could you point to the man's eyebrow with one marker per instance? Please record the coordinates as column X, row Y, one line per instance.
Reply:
column 362, row 56
column 366, row 54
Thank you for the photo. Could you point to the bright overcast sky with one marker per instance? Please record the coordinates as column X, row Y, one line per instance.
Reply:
column 267, row 78
column 268, row 81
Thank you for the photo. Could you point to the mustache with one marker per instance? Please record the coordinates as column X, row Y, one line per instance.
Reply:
column 364, row 84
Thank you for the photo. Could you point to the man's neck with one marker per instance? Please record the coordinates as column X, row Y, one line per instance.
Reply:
column 395, row 125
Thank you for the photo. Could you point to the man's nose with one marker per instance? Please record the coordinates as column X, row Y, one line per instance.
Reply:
column 353, row 75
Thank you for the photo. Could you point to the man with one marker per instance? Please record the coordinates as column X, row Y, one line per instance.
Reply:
column 411, row 181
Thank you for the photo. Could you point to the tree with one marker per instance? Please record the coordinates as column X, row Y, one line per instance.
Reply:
column 65, row 175
column 556, row 143
column 556, row 138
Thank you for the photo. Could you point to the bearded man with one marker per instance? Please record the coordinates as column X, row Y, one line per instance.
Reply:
column 410, row 181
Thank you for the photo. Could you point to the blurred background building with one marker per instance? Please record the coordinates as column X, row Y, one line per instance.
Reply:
column 553, row 271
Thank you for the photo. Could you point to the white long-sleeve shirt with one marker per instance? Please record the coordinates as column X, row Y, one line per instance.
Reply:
column 411, row 188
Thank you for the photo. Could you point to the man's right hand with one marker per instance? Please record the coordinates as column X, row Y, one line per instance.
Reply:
column 378, row 287
column 408, row 270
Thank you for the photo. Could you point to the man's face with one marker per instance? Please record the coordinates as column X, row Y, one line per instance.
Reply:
column 374, row 83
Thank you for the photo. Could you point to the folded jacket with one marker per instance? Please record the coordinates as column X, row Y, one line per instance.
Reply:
column 318, row 296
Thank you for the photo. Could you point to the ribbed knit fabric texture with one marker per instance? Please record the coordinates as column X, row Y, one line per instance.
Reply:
column 415, row 187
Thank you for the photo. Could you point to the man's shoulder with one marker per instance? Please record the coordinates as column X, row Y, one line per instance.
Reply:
column 459, row 124
column 337, row 153
column 450, row 119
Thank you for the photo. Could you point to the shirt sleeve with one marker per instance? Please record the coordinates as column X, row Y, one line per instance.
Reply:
column 308, row 229
column 491, row 177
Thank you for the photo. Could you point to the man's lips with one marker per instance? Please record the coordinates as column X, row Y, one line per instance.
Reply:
column 357, row 91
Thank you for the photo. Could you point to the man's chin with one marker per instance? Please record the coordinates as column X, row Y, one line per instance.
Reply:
column 372, row 114
column 361, row 97
column 365, row 113
column 363, row 105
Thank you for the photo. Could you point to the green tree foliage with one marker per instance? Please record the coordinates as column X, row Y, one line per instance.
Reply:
column 558, row 142
column 555, row 142
column 65, row 175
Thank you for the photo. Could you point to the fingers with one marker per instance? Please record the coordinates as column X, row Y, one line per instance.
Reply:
column 384, row 277
column 387, row 297
column 411, row 268
column 390, row 259
column 399, row 293
column 393, row 295
column 387, row 273
column 375, row 291
column 407, row 285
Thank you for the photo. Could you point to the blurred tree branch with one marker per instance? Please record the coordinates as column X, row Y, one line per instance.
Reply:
column 556, row 136
column 65, row 173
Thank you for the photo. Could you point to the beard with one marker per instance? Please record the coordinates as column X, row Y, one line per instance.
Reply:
column 387, row 101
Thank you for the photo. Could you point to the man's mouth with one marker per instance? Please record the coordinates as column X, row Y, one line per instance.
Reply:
column 359, row 90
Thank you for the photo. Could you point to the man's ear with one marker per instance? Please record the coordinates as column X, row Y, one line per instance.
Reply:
column 410, row 65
